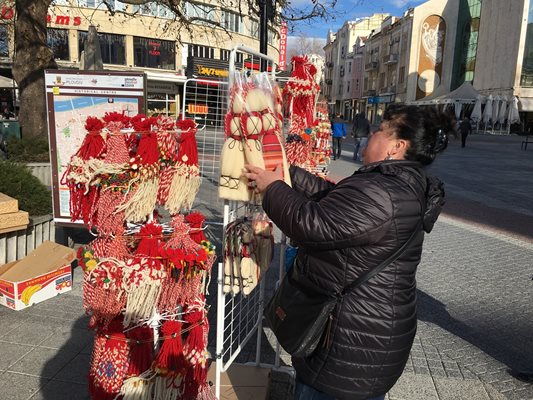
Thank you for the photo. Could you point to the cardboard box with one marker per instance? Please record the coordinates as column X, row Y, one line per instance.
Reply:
column 8, row 205
column 242, row 382
column 42, row 274
column 19, row 218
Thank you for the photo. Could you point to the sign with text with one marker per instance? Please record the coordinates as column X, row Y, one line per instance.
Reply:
column 283, row 46
column 71, row 97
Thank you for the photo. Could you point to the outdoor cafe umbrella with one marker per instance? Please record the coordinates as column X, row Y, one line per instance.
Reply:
column 487, row 113
column 502, row 115
column 495, row 109
column 476, row 112
column 514, row 116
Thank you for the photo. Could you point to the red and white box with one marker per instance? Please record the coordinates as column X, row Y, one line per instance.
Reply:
column 42, row 274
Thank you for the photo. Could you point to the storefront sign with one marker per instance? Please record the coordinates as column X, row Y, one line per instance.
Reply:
column 198, row 109
column 380, row 99
column 207, row 68
column 63, row 20
column 7, row 12
column 282, row 65
column 154, row 48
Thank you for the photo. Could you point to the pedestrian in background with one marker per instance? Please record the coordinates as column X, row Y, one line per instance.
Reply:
column 360, row 131
column 338, row 134
column 347, row 229
column 466, row 128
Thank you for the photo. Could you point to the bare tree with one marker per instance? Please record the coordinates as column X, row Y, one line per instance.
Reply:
column 33, row 56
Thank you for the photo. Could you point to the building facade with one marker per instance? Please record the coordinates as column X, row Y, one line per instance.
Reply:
column 146, row 38
column 340, row 62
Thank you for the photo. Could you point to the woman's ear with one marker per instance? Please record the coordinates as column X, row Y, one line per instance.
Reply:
column 399, row 149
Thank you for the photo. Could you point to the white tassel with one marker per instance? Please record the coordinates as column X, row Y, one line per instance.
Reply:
column 141, row 302
column 138, row 387
column 143, row 201
column 183, row 189
column 164, row 390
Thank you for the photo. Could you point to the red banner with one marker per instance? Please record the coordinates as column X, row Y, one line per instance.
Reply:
column 283, row 46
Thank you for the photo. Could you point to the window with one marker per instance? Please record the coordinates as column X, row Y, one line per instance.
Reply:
column 196, row 50
column 154, row 53
column 401, row 78
column 254, row 28
column 4, row 43
column 201, row 11
column 57, row 40
column 112, row 47
column 349, row 67
column 382, row 80
column 154, row 10
column 115, row 5
column 348, row 87
column 224, row 55
column 231, row 21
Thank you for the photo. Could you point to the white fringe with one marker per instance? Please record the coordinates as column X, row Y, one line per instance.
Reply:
column 141, row 302
column 138, row 387
column 164, row 391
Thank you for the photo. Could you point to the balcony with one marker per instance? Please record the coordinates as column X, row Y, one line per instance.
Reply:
column 369, row 93
column 371, row 66
column 391, row 89
column 329, row 64
column 390, row 59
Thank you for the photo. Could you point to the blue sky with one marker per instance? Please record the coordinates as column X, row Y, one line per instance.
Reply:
column 348, row 11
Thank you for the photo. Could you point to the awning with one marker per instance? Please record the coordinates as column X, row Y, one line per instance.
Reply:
column 165, row 77
column 526, row 104
column 7, row 83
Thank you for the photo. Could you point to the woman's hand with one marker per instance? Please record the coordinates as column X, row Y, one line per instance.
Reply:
column 259, row 179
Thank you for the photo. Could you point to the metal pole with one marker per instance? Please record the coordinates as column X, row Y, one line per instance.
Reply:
column 263, row 31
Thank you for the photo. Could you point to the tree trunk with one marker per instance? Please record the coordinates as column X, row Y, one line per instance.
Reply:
column 32, row 57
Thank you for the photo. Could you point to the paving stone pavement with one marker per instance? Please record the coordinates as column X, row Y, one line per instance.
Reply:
column 474, row 291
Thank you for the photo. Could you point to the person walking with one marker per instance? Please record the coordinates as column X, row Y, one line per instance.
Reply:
column 360, row 131
column 344, row 230
column 338, row 134
column 466, row 128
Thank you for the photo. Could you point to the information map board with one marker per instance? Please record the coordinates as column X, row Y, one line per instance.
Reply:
column 71, row 97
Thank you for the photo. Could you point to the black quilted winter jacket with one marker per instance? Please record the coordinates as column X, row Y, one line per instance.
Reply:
column 343, row 230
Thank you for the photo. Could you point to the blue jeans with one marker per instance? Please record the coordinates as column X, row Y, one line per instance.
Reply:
column 306, row 392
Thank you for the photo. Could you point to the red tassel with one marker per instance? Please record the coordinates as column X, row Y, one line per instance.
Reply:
column 150, row 239
column 170, row 359
column 109, row 362
column 196, row 221
column 188, row 149
column 141, row 350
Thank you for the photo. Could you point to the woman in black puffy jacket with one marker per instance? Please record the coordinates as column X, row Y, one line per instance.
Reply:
column 345, row 229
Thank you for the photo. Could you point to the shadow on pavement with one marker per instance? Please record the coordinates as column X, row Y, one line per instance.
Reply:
column 505, row 349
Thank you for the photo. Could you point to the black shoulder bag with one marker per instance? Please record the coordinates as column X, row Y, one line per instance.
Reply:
column 300, row 314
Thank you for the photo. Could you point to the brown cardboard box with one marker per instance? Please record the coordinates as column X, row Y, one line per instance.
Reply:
column 242, row 382
column 8, row 205
column 18, row 218
column 42, row 274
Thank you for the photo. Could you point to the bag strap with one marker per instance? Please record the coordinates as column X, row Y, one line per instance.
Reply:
column 376, row 270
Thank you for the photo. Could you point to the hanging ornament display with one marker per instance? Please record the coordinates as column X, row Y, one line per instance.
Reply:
column 144, row 280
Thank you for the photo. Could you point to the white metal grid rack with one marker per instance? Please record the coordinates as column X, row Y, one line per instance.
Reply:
column 205, row 101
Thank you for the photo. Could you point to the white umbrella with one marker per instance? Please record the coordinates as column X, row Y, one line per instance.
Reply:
column 514, row 116
column 495, row 109
column 476, row 112
column 487, row 113
column 458, row 108
column 502, row 115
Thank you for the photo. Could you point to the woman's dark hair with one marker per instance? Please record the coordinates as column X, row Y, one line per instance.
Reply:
column 427, row 130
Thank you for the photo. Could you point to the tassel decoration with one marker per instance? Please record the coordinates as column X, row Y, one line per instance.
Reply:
column 170, row 359
column 141, row 342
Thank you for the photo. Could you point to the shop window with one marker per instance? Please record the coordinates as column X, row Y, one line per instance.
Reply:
column 231, row 21
column 161, row 104
column 58, row 41
column 204, row 12
column 112, row 47
column 196, row 50
column 254, row 28
column 4, row 41
column 154, row 53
